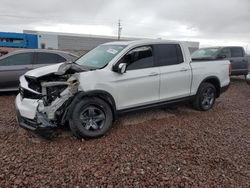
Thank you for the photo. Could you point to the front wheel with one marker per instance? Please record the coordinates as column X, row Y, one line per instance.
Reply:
column 205, row 97
column 91, row 118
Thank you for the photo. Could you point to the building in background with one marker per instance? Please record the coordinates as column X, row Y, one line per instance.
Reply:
column 61, row 41
column 70, row 41
column 18, row 40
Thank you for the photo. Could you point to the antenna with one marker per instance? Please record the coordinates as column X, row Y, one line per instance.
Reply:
column 119, row 29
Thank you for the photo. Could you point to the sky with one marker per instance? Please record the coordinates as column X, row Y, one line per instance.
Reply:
column 210, row 22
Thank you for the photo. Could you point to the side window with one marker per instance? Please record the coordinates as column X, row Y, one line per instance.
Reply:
column 168, row 54
column 49, row 58
column 236, row 52
column 225, row 52
column 17, row 59
column 139, row 58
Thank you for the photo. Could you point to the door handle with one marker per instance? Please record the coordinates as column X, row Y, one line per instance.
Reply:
column 153, row 74
column 184, row 69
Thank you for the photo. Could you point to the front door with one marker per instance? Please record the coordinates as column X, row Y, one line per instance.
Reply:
column 139, row 85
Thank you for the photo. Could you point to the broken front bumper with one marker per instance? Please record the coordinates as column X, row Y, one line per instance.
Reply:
column 29, row 118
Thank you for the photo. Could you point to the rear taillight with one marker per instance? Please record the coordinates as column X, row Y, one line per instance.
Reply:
column 229, row 69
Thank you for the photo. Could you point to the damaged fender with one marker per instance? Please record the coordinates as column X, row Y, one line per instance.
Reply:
column 47, row 95
column 69, row 92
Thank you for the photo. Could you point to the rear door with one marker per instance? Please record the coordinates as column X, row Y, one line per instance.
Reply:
column 12, row 67
column 175, row 72
column 46, row 58
column 238, row 61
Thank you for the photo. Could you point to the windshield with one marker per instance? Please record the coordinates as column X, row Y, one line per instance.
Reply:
column 100, row 56
column 205, row 53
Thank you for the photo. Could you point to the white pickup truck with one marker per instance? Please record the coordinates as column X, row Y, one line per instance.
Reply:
column 114, row 78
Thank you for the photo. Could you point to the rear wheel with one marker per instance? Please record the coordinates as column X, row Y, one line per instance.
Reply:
column 205, row 97
column 91, row 118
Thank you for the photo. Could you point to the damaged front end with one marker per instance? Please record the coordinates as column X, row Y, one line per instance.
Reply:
column 43, row 101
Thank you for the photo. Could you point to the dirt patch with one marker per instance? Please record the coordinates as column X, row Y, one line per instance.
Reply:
column 176, row 147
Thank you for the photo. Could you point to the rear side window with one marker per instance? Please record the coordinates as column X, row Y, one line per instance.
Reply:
column 237, row 52
column 139, row 58
column 49, row 58
column 17, row 59
column 168, row 54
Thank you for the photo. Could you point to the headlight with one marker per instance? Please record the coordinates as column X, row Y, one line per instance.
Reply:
column 21, row 92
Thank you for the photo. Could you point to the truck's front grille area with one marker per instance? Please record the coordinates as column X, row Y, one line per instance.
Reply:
column 54, row 91
column 28, row 94
column 34, row 84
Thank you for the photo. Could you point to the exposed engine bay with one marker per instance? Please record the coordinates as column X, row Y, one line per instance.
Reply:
column 52, row 91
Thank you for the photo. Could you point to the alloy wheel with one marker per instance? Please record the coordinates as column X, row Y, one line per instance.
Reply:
column 208, row 98
column 92, row 118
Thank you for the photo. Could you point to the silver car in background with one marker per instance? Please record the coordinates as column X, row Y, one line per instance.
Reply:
column 15, row 64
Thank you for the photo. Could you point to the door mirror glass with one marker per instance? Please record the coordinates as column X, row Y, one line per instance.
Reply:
column 221, row 56
column 122, row 68
column 248, row 79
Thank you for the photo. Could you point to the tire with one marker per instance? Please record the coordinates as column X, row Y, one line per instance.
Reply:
column 205, row 97
column 91, row 118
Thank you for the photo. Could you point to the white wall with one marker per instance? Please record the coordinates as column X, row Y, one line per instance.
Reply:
column 49, row 40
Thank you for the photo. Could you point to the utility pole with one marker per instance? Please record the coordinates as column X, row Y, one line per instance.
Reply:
column 119, row 29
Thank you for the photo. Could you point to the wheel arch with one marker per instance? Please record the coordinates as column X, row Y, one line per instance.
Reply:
column 215, row 81
column 107, row 97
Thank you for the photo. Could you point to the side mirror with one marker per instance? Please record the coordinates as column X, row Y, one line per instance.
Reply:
column 248, row 79
column 221, row 56
column 122, row 68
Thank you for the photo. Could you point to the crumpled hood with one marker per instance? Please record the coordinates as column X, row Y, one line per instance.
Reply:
column 36, row 73
column 57, row 69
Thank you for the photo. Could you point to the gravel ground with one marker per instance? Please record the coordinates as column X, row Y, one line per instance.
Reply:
column 175, row 147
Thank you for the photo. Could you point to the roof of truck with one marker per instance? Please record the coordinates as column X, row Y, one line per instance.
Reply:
column 222, row 47
column 141, row 42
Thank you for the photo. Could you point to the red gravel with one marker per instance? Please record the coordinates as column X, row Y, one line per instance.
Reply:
column 177, row 147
